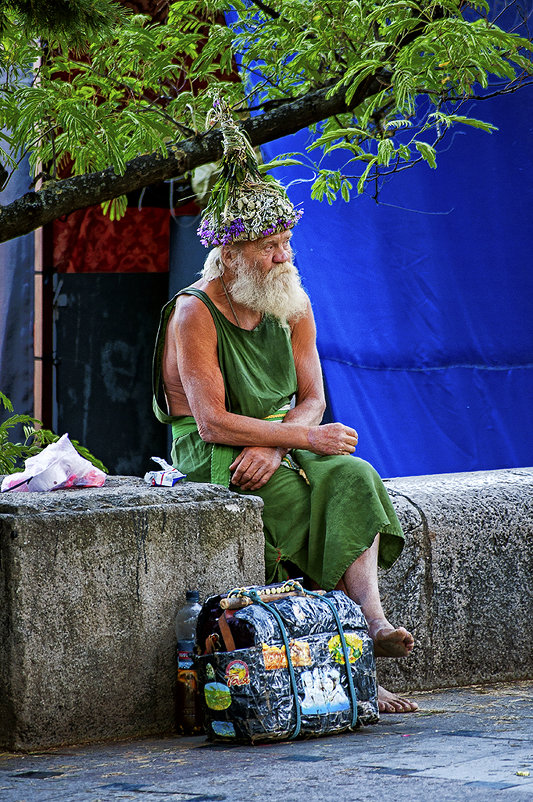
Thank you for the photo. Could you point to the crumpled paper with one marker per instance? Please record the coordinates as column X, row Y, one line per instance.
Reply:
column 167, row 477
column 56, row 467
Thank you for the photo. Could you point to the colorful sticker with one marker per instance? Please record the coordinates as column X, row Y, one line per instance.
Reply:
column 209, row 671
column 237, row 673
column 275, row 656
column 354, row 644
column 223, row 728
column 217, row 695
column 323, row 692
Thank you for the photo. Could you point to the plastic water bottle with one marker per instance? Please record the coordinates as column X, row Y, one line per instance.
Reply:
column 188, row 716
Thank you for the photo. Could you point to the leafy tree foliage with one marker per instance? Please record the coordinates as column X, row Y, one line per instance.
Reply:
column 383, row 81
column 68, row 20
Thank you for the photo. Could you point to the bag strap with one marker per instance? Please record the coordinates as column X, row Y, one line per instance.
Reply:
column 345, row 651
column 225, row 631
column 254, row 596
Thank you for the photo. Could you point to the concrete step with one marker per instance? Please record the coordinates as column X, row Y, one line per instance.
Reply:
column 463, row 584
column 90, row 582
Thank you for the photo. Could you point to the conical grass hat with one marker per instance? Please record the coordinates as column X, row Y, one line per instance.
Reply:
column 244, row 204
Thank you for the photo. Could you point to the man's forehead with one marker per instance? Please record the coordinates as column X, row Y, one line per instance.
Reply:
column 273, row 239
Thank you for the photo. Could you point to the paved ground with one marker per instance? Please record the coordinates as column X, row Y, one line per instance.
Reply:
column 465, row 744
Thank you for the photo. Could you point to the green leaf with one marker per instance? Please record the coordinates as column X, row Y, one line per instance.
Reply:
column 364, row 177
column 472, row 121
column 279, row 162
column 427, row 152
column 345, row 190
column 386, row 151
column 116, row 208
column 6, row 403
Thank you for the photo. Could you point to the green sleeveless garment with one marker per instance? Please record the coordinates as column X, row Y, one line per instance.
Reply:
column 320, row 518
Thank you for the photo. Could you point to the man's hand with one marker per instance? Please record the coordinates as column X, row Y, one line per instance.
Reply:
column 255, row 465
column 332, row 438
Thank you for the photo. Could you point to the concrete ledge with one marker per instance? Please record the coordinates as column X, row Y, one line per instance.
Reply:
column 463, row 584
column 90, row 581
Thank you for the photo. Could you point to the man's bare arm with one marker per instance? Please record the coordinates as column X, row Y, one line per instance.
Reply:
column 199, row 371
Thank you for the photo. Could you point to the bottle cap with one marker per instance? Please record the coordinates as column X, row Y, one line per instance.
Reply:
column 192, row 595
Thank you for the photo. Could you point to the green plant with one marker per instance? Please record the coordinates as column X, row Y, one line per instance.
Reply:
column 36, row 438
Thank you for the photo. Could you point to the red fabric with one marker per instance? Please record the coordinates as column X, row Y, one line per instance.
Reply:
column 88, row 242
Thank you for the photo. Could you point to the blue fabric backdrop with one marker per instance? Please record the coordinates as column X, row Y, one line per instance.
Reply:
column 425, row 318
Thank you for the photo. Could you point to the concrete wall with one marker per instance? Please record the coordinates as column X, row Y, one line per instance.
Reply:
column 463, row 584
column 90, row 581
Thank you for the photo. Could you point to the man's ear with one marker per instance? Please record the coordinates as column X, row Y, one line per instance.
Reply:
column 227, row 253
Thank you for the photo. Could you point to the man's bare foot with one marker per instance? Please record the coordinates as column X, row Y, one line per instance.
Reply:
column 388, row 641
column 392, row 703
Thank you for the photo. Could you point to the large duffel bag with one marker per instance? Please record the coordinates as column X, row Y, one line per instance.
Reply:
column 299, row 664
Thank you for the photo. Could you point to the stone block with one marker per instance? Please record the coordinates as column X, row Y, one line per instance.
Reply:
column 90, row 581
column 463, row 584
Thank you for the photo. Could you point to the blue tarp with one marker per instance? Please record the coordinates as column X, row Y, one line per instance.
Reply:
column 424, row 306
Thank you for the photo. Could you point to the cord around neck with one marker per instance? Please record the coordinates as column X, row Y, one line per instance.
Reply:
column 226, row 293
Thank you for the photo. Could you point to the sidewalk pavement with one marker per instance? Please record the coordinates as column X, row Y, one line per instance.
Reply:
column 464, row 744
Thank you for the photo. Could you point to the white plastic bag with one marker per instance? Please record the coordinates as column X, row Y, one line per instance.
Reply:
column 57, row 466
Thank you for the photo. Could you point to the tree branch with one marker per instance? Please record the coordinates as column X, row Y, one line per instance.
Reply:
column 267, row 9
column 35, row 209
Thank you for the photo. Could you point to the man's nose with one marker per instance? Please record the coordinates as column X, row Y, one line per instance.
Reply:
column 281, row 255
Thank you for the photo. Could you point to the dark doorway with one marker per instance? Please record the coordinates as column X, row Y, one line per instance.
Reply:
column 105, row 326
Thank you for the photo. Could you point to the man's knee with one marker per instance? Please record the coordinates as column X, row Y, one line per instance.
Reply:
column 354, row 469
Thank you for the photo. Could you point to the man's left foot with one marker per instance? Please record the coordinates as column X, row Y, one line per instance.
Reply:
column 388, row 641
column 392, row 703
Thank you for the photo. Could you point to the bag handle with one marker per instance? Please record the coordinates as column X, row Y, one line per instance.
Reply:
column 225, row 631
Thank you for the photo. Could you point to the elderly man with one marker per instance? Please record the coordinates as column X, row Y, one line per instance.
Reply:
column 236, row 355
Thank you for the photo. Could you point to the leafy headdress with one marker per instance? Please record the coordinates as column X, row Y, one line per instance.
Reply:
column 244, row 204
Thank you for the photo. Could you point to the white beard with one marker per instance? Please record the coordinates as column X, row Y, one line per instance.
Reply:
column 278, row 292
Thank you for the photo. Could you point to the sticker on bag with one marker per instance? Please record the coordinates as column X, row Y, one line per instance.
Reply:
column 237, row 673
column 217, row 695
column 276, row 656
column 323, row 692
column 354, row 645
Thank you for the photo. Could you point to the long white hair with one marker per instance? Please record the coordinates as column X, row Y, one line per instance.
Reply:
column 213, row 265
